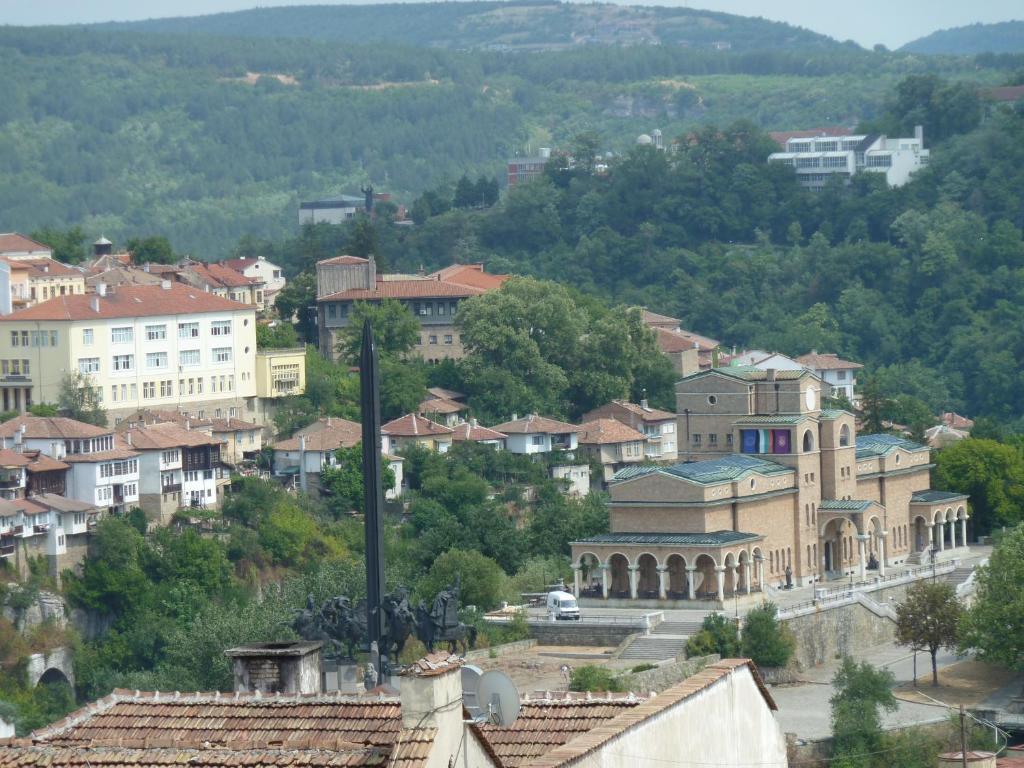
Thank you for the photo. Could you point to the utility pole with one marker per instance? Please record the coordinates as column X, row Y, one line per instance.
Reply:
column 373, row 497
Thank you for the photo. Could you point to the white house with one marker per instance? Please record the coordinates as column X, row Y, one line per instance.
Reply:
column 820, row 158
column 102, row 471
column 538, row 434
column 839, row 374
column 260, row 269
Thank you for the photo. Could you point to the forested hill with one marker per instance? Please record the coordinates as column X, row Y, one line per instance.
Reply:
column 1004, row 37
column 513, row 25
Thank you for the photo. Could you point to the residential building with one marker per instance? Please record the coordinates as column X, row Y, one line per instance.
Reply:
column 36, row 280
column 839, row 374
column 759, row 358
column 521, row 170
column 101, row 472
column 17, row 246
column 261, row 271
column 575, row 476
column 240, row 441
column 26, row 473
column 303, row 456
column 450, row 413
column 774, row 490
column 611, row 444
column 279, row 716
column 222, row 281
column 472, row 431
column 141, row 346
column 658, row 427
column 833, row 131
column 433, row 300
column 413, row 429
column 49, row 526
column 533, row 434
column 180, row 469
column 954, row 420
column 818, row 159
column 689, row 352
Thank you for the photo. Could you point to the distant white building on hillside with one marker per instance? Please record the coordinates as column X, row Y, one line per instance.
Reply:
column 817, row 159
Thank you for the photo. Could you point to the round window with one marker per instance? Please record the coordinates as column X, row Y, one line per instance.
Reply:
column 247, row 350
column 246, row 321
column 712, row 399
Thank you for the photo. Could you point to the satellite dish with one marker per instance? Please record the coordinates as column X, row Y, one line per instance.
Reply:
column 499, row 698
column 470, row 684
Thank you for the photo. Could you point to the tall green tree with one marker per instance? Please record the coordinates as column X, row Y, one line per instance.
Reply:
column 68, row 245
column 345, row 479
column 927, row 620
column 155, row 248
column 991, row 473
column 79, row 399
column 862, row 692
column 994, row 625
column 395, row 329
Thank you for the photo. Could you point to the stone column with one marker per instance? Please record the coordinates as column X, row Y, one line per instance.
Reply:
column 634, row 578
column 963, row 529
column 941, row 530
column 662, row 582
column 862, row 539
column 690, row 571
column 881, row 552
column 576, row 569
column 952, row 533
column 746, row 575
column 604, row 579
column 720, row 572
column 760, row 573
column 930, row 544
column 734, row 572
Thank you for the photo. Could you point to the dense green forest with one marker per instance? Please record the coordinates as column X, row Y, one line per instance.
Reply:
column 203, row 139
column 924, row 283
column 1003, row 37
column 520, row 25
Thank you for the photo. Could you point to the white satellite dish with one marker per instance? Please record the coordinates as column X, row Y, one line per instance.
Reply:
column 498, row 698
column 470, row 684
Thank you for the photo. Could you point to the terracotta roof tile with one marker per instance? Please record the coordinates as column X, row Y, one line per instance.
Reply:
column 534, row 424
column 647, row 414
column 608, row 431
column 165, row 435
column 654, row 319
column 679, row 340
column 128, row 301
column 90, row 458
column 441, row 405
column 445, row 394
column 12, row 242
column 327, row 434
column 415, row 288
column 413, row 425
column 476, row 433
column 10, row 458
column 472, row 275
column 40, row 462
column 40, row 268
column 49, row 427
column 826, row 361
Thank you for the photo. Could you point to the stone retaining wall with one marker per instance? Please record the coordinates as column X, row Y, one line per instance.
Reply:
column 665, row 675
column 827, row 633
column 505, row 649
column 580, row 633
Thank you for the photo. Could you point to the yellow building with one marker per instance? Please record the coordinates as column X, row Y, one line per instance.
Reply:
column 36, row 280
column 141, row 346
column 280, row 372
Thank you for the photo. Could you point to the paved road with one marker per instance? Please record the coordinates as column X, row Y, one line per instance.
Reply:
column 805, row 710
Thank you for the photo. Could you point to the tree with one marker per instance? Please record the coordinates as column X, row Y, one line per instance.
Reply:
column 281, row 335
column 994, row 625
column 927, row 620
column 67, row 245
column 296, row 302
column 991, row 473
column 345, row 479
column 765, row 640
column 78, row 399
column 861, row 691
column 44, row 409
column 593, row 678
column 156, row 249
column 465, row 194
column 873, row 405
column 395, row 329
column 483, row 583
column 718, row 634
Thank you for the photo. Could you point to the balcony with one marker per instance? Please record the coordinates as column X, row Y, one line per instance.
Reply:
column 40, row 528
column 6, row 550
column 14, row 482
column 19, row 530
column 171, row 488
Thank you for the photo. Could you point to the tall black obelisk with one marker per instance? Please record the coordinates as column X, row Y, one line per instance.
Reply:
column 373, row 496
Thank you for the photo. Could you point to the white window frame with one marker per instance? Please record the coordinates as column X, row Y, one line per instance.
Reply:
column 122, row 334
column 156, row 332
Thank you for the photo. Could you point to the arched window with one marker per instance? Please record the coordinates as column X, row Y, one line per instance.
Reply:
column 844, row 435
column 808, row 441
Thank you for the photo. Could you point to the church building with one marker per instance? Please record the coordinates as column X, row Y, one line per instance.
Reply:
column 771, row 489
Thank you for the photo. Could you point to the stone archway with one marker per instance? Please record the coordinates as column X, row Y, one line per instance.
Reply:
column 677, row 587
column 53, row 667
column 705, row 579
column 590, row 575
column 921, row 531
column 618, row 567
column 647, row 577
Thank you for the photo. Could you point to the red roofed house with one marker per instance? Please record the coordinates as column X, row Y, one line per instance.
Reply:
column 613, row 444
column 433, row 300
column 260, row 270
column 658, row 427
column 720, row 716
column 413, row 429
column 840, row 374
column 538, row 434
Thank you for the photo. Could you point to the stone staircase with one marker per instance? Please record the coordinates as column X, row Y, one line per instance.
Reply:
column 678, row 628
column 958, row 576
column 653, row 648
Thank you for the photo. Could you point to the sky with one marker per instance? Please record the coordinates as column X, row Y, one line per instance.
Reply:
column 890, row 22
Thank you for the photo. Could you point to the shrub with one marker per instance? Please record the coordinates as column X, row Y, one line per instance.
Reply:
column 137, row 519
column 717, row 635
column 643, row 667
column 767, row 642
column 591, row 678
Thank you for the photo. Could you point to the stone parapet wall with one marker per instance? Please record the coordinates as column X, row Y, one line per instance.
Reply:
column 580, row 633
column 665, row 675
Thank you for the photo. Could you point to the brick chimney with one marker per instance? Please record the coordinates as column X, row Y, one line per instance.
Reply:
column 431, row 694
column 287, row 667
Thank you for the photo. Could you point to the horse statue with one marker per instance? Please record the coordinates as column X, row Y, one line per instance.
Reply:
column 441, row 622
column 399, row 621
column 312, row 623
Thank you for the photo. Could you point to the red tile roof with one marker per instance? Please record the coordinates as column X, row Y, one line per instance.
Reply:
column 534, row 424
column 412, row 288
column 655, row 320
column 608, row 432
column 472, row 275
column 645, row 413
column 9, row 458
column 1004, row 93
column 441, row 405
column 413, row 425
column 956, row 421
column 40, row 268
column 128, row 301
column 121, row 452
column 476, row 433
column 445, row 394
column 218, row 276
column 826, row 361
column 12, row 242
column 47, row 427
column 40, row 462
column 679, row 341
column 327, row 434
column 165, row 435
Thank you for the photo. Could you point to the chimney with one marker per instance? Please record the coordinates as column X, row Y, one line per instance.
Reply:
column 128, row 437
column 101, row 289
column 771, row 374
column 288, row 667
column 919, row 133
column 472, row 422
column 165, row 284
column 515, row 416
column 431, row 694
column 644, row 405
column 94, row 303
column 19, row 438
column 46, row 268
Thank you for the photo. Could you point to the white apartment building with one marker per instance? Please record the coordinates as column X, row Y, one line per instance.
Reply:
column 101, row 472
column 820, row 158
column 141, row 346
column 260, row 269
column 537, row 434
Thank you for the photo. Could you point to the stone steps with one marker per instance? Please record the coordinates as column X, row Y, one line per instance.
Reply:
column 649, row 648
column 958, row 576
column 684, row 628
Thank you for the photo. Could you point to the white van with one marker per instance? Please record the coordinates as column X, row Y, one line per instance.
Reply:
column 562, row 605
